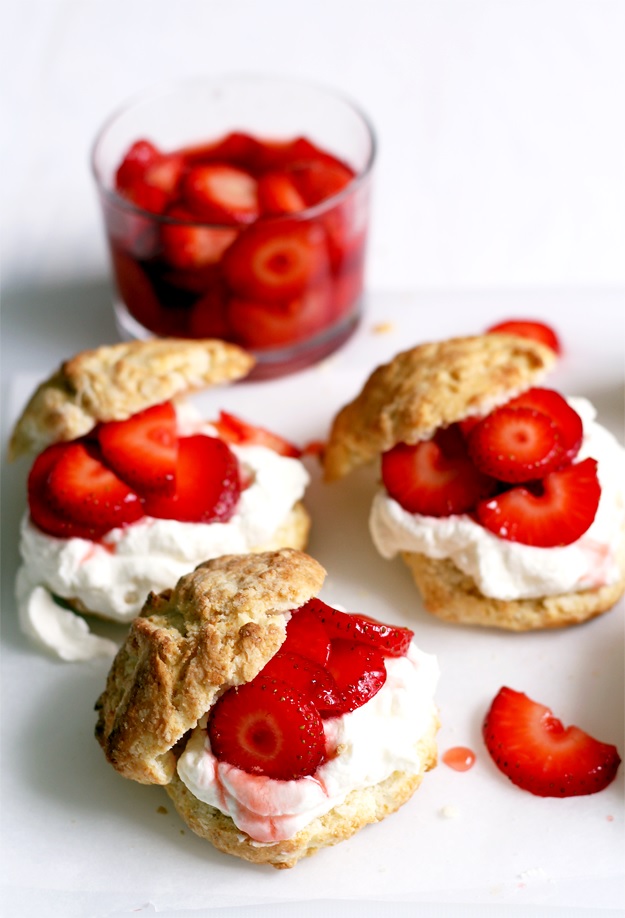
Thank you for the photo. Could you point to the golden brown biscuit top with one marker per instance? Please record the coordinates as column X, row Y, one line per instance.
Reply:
column 113, row 382
column 430, row 386
column 217, row 628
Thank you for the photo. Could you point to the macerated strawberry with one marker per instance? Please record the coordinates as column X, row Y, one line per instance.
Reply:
column 320, row 178
column 234, row 430
column 208, row 317
column 83, row 490
column 554, row 511
column 515, row 444
column 189, row 246
column 266, row 727
column 359, row 673
column 207, row 484
column 423, row 479
column 529, row 328
column 221, row 193
column 532, row 748
column 263, row 326
column 165, row 173
column 276, row 261
column 133, row 166
column 566, row 419
column 391, row 640
column 306, row 636
column 143, row 450
column 308, row 677
column 278, row 195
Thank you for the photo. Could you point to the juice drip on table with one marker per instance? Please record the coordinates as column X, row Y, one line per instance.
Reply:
column 460, row 758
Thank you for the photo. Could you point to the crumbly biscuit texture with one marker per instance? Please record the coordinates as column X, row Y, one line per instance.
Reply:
column 430, row 386
column 113, row 382
column 361, row 807
column 217, row 628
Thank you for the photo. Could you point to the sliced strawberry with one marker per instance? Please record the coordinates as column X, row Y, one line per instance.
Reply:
column 565, row 418
column 236, row 148
column 133, row 166
column 423, row 479
column 275, row 262
column 262, row 326
column 555, row 511
column 233, row 430
column 209, row 316
column 165, row 173
column 187, row 245
column 529, row 328
column 143, row 450
column 266, row 727
column 308, row 677
column 278, row 195
column 306, row 636
column 321, row 178
column 280, row 154
column 390, row 640
column 137, row 292
column 41, row 514
column 207, row 484
column 516, row 444
column 359, row 673
column 89, row 495
column 532, row 748
column 221, row 193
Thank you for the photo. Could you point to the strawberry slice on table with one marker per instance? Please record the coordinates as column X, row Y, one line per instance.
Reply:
column 533, row 748
column 306, row 636
column 516, row 444
column 143, row 450
column 186, row 245
column 207, row 484
column 308, row 677
column 266, row 727
column 429, row 479
column 359, row 673
column 234, row 430
column 275, row 262
column 529, row 328
column 554, row 511
column 83, row 490
column 566, row 419
column 221, row 193
column 390, row 640
column 278, row 195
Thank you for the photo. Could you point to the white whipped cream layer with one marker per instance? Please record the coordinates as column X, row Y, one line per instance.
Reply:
column 113, row 577
column 365, row 747
column 510, row 570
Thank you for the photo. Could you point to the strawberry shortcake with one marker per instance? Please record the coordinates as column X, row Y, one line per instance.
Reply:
column 131, row 488
column 278, row 724
column 505, row 499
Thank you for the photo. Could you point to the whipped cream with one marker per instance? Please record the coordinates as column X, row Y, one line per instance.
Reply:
column 113, row 577
column 365, row 747
column 510, row 570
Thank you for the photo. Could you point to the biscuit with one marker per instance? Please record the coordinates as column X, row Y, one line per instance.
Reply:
column 113, row 382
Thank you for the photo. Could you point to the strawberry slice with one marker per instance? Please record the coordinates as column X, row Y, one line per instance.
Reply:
column 276, row 262
column 391, row 641
column 532, row 748
column 306, row 636
column 233, row 430
column 554, row 511
column 320, row 179
column 165, row 173
column 209, row 317
column 133, row 166
column 303, row 674
column 81, row 489
column 278, row 195
column 221, row 193
column 566, row 419
column 188, row 246
column 41, row 514
column 207, row 484
column 528, row 328
column 263, row 326
column 516, row 444
column 359, row 673
column 143, row 450
column 429, row 479
column 266, row 727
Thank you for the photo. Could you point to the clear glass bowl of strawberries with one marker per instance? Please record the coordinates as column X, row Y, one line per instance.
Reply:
column 238, row 208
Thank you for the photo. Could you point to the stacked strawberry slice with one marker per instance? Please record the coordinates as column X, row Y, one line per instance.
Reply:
column 331, row 663
column 125, row 470
column 513, row 471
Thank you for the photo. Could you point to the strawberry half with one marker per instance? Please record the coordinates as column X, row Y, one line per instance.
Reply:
column 312, row 680
column 221, row 193
column 267, row 727
column 429, row 479
column 320, row 179
column 306, row 636
column 278, row 195
column 207, row 484
column 359, row 673
column 390, row 640
column 143, row 450
column 80, row 488
column 189, row 246
column 555, row 511
column 529, row 328
column 532, row 748
column 516, row 444
column 566, row 419
column 233, row 430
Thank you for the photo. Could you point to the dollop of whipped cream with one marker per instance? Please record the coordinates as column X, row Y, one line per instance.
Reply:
column 364, row 748
column 113, row 577
column 510, row 570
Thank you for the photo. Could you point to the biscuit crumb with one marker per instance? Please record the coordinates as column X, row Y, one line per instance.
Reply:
column 162, row 809
column 449, row 811
column 383, row 328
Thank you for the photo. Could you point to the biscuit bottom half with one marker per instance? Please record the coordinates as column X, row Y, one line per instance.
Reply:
column 453, row 596
column 361, row 807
